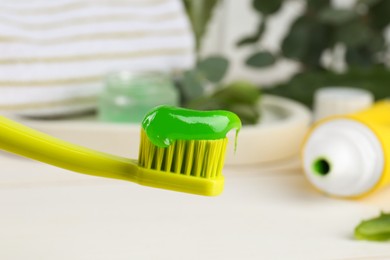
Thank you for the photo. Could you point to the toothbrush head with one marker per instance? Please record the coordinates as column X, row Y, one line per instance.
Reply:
column 187, row 147
column 192, row 166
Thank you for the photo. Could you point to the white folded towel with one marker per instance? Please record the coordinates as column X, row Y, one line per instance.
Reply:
column 54, row 54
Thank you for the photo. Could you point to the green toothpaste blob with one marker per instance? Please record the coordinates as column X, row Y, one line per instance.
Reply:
column 375, row 229
column 166, row 124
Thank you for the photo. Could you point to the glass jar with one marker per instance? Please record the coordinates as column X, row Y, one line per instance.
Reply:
column 128, row 96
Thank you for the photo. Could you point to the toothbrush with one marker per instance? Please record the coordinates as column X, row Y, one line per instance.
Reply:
column 168, row 158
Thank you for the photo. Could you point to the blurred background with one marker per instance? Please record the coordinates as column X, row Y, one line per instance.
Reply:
column 293, row 48
column 121, row 58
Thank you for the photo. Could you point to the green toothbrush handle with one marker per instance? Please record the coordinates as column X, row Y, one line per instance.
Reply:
column 21, row 140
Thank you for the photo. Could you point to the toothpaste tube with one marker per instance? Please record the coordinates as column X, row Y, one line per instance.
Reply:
column 349, row 155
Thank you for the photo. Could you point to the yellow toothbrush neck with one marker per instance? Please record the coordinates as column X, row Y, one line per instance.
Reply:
column 33, row 144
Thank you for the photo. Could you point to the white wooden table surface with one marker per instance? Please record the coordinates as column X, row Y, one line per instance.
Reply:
column 49, row 213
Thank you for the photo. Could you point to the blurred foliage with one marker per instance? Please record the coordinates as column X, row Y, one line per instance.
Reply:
column 320, row 28
column 192, row 83
column 374, row 229
column 213, row 68
column 240, row 97
column 267, row 7
column 199, row 13
column 303, row 85
column 260, row 59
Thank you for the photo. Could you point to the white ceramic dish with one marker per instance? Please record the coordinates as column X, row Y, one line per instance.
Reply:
column 278, row 136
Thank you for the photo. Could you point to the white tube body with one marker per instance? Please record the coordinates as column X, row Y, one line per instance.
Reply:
column 352, row 154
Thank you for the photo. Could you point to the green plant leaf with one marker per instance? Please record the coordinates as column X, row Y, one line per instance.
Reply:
column 375, row 229
column 353, row 34
column 248, row 114
column 369, row 2
column 190, row 85
column 205, row 103
column 336, row 16
column 306, row 41
column 359, row 57
column 199, row 13
column 267, row 7
column 379, row 14
column 247, row 40
column 315, row 5
column 295, row 44
column 213, row 68
column 253, row 38
column 317, row 44
column 260, row 59
column 377, row 44
column 241, row 92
